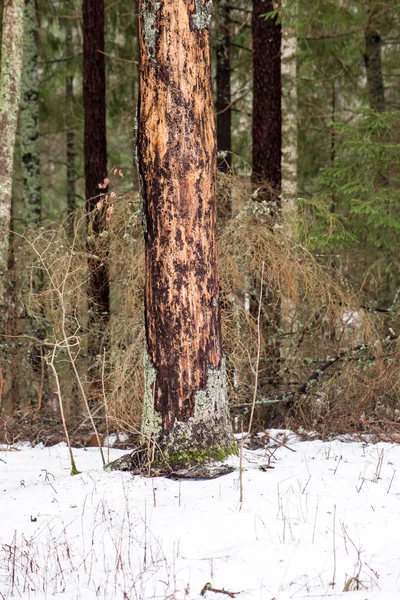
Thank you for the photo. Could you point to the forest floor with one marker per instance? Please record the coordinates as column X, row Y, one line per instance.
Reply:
column 320, row 522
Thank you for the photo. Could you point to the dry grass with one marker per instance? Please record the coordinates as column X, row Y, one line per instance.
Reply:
column 308, row 315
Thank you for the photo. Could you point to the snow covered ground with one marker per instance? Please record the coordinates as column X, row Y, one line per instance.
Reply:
column 325, row 518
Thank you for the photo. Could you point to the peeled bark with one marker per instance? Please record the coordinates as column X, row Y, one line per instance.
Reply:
column 185, row 404
column 95, row 160
column 267, row 121
column 30, row 144
column 373, row 62
column 10, row 89
column 223, row 84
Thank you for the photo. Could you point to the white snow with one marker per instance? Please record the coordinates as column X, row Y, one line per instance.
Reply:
column 324, row 514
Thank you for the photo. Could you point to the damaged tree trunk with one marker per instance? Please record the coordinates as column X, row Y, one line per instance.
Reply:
column 185, row 404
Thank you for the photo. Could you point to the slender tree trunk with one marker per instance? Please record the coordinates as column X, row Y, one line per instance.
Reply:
column 185, row 404
column 223, row 81
column 30, row 143
column 31, row 185
column 267, row 120
column 289, row 16
column 95, row 151
column 10, row 89
column 70, row 134
column 289, row 108
column 373, row 61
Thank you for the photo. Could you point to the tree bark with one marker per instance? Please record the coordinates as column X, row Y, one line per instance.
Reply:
column 373, row 61
column 10, row 90
column 95, row 160
column 223, row 84
column 70, row 134
column 185, row 404
column 289, row 107
column 30, row 143
column 267, row 120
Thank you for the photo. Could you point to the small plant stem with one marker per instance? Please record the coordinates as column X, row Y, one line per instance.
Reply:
column 258, row 352
column 103, row 365
column 74, row 470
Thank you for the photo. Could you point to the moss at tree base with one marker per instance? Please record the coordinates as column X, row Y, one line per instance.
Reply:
column 161, row 460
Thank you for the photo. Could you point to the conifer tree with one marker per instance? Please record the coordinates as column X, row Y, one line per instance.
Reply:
column 185, row 404
column 95, row 158
column 223, row 86
column 30, row 143
column 267, row 92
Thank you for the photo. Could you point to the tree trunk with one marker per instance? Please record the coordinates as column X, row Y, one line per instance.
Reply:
column 267, row 120
column 289, row 108
column 31, row 185
column 185, row 404
column 30, row 143
column 223, row 81
column 288, row 321
column 10, row 89
column 95, row 159
column 70, row 134
column 373, row 61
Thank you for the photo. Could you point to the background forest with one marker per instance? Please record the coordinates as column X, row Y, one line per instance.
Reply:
column 307, row 101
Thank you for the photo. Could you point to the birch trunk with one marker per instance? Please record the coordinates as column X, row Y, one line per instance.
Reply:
column 289, row 14
column 10, row 89
column 289, row 109
column 185, row 404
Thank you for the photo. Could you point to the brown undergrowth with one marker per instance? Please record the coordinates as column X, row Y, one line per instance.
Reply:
column 328, row 362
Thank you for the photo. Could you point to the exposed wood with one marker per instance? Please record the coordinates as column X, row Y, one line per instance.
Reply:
column 185, row 376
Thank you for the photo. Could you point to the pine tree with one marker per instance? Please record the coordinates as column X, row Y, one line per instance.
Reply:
column 223, row 87
column 30, row 142
column 95, row 152
column 185, row 404
column 267, row 92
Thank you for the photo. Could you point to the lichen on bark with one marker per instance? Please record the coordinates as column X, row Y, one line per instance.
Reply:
column 10, row 88
column 148, row 13
column 201, row 17
column 151, row 420
column 205, row 436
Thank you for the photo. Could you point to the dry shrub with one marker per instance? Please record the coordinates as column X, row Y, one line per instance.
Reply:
column 308, row 314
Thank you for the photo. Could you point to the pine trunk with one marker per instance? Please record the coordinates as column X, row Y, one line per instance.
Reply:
column 30, row 143
column 10, row 89
column 267, row 120
column 373, row 62
column 95, row 159
column 223, row 84
column 185, row 404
